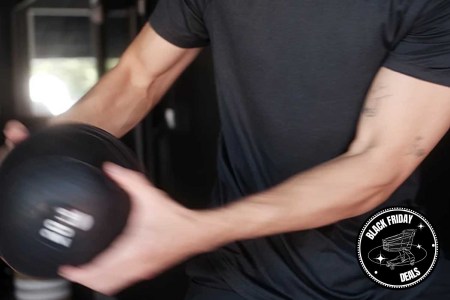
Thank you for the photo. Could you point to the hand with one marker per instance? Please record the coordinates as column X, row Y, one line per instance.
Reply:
column 159, row 234
column 15, row 132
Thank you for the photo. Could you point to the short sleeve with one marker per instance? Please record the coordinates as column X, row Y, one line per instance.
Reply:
column 181, row 22
column 424, row 52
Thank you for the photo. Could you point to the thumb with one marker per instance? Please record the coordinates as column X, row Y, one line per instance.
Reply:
column 131, row 181
column 15, row 132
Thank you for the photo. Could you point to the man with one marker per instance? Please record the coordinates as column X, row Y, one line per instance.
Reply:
column 327, row 108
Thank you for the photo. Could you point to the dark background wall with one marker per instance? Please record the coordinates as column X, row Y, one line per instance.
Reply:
column 5, row 99
column 5, row 58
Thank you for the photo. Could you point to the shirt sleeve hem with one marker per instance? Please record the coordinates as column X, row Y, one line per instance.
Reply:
column 161, row 30
column 426, row 74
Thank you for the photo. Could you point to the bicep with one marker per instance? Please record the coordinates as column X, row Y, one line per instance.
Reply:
column 150, row 56
column 403, row 118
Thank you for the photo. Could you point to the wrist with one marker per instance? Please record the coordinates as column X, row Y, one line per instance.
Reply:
column 241, row 220
column 215, row 229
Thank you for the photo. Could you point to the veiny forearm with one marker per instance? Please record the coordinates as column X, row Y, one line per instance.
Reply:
column 109, row 105
column 402, row 121
column 126, row 94
column 347, row 186
column 116, row 103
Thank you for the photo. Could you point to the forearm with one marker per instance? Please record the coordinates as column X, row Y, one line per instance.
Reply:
column 116, row 103
column 126, row 94
column 347, row 186
column 402, row 121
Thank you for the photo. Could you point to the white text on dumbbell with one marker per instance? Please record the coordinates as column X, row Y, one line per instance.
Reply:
column 59, row 231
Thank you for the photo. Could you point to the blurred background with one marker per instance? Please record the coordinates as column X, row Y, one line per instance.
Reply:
column 53, row 51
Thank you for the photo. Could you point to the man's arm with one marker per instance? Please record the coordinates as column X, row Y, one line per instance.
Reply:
column 127, row 93
column 402, row 120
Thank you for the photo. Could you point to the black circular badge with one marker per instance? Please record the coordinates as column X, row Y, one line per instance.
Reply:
column 397, row 248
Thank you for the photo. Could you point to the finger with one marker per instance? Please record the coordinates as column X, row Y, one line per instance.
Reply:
column 15, row 133
column 15, row 124
column 103, row 269
column 108, row 272
column 109, row 285
column 130, row 181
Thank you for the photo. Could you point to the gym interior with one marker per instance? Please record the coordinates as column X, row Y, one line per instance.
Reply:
column 53, row 51
column 65, row 45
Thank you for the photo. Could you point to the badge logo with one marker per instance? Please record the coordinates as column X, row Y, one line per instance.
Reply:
column 397, row 248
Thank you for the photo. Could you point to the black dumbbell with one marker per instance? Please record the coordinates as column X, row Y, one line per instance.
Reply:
column 57, row 207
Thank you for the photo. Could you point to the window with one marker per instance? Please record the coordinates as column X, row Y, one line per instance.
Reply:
column 62, row 59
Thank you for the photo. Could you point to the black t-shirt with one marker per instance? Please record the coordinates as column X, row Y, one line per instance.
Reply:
column 292, row 76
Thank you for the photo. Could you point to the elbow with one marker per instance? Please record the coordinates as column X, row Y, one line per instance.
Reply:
column 387, row 164
column 386, row 171
column 392, row 167
column 135, row 73
column 389, row 170
column 128, row 99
